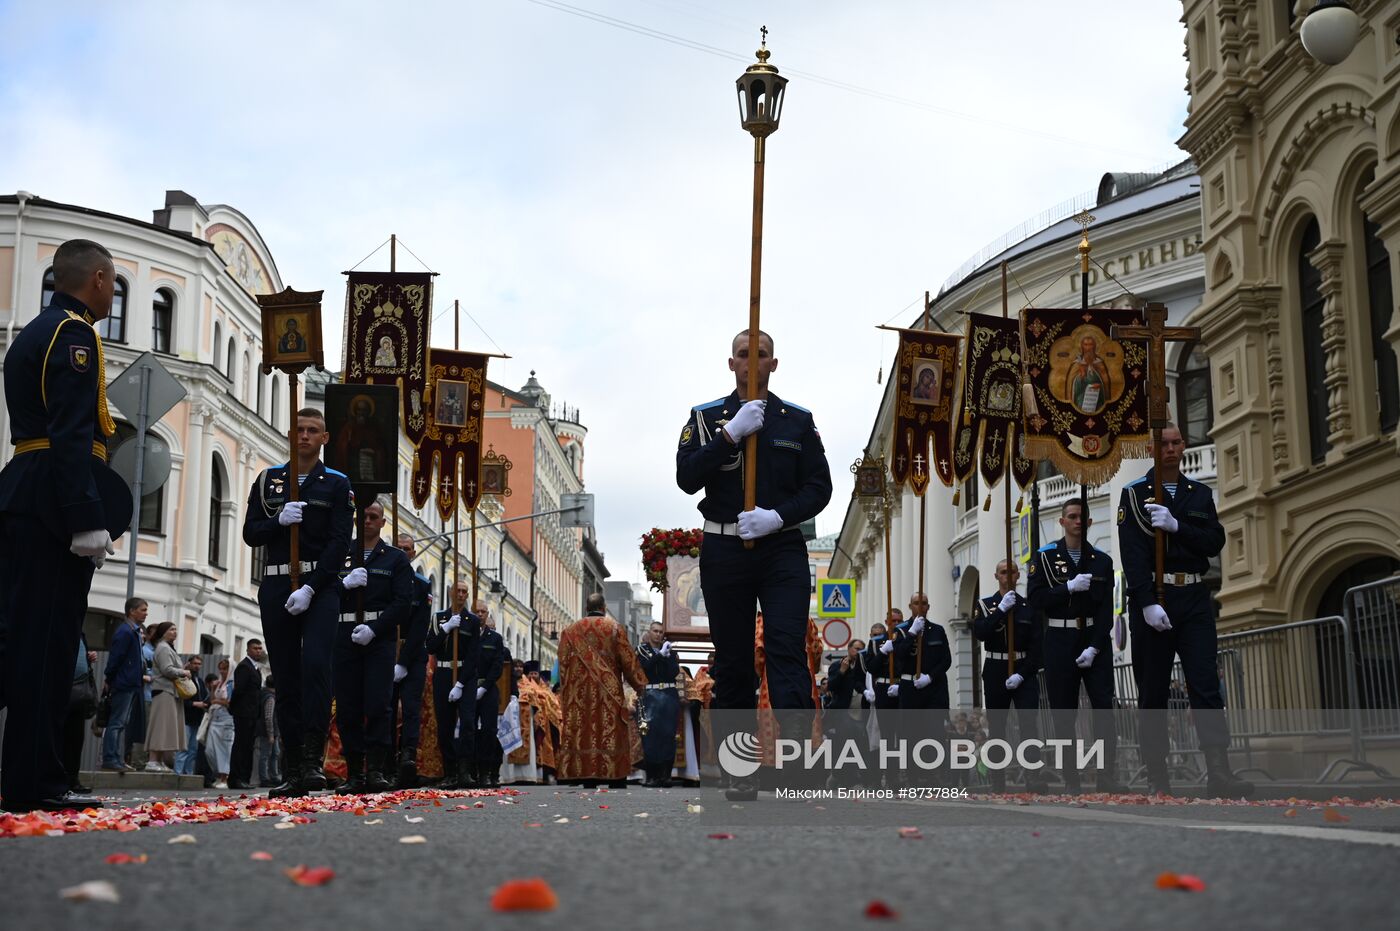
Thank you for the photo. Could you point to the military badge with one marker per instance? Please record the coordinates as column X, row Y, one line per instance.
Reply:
column 1121, row 515
column 1030, row 570
column 686, row 433
column 80, row 357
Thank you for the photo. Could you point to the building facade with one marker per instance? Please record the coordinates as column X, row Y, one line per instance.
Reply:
column 1300, row 173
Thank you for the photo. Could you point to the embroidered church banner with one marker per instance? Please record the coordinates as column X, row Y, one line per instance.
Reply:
column 925, row 383
column 451, row 446
column 987, row 431
column 387, row 319
column 1086, row 398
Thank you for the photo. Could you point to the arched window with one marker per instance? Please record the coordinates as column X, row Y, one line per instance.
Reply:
column 46, row 297
column 162, row 319
column 1193, row 408
column 218, row 341
column 113, row 328
column 216, row 515
column 247, row 374
column 1312, row 305
column 1379, row 292
column 228, row 364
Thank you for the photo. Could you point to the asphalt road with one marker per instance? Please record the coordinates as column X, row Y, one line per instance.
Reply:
column 813, row 863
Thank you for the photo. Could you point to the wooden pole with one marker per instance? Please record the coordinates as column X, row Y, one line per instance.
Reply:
column 1083, row 486
column 889, row 586
column 293, row 474
column 754, row 352
column 1006, row 493
column 923, row 533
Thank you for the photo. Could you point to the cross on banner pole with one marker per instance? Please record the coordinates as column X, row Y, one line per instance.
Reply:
column 1157, row 334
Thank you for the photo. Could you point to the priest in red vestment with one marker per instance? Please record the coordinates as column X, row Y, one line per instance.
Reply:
column 594, row 658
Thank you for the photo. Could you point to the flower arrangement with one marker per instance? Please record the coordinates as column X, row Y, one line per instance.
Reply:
column 657, row 544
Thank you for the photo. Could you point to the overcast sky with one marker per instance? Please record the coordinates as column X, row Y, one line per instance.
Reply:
column 584, row 188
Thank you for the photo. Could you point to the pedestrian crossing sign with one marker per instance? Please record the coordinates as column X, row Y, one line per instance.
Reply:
column 836, row 598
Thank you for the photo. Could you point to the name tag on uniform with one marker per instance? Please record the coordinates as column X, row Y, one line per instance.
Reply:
column 788, row 444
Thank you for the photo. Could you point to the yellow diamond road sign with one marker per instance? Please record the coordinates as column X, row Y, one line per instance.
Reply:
column 836, row 598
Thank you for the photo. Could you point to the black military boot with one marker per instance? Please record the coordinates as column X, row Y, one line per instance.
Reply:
column 1158, row 783
column 354, row 773
column 408, row 767
column 649, row 782
column 451, row 775
column 313, row 752
column 1071, row 777
column 1107, row 780
column 489, row 775
column 663, row 775
column 466, row 775
column 1221, row 782
column 290, row 787
column 377, row 761
column 997, row 777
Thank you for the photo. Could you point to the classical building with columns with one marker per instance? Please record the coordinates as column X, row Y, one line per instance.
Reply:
column 1145, row 243
column 1300, row 215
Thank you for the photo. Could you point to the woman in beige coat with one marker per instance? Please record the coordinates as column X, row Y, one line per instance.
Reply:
column 165, row 732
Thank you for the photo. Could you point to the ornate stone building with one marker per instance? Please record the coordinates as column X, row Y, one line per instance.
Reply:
column 1299, row 165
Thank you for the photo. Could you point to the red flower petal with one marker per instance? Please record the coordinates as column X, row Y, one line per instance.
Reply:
column 310, row 876
column 120, row 858
column 877, row 909
column 260, row 855
column 720, row 836
column 1334, row 816
column 524, row 895
column 1183, row 881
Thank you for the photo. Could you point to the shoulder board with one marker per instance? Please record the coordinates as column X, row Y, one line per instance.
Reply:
column 330, row 471
column 709, row 404
column 73, row 316
column 798, row 407
column 1138, row 481
column 1047, row 548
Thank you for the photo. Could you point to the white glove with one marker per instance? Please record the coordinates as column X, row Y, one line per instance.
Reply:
column 291, row 513
column 666, row 648
column 356, row 578
column 1086, row 659
column 870, row 696
column 1008, row 601
column 480, row 692
column 759, row 523
column 1080, row 583
column 452, row 624
column 887, row 647
column 917, row 627
column 92, row 543
column 300, row 600
column 1014, row 682
column 922, row 681
column 400, row 672
column 362, row 635
column 892, row 691
column 749, row 419
column 1162, row 518
column 456, row 693
column 1156, row 618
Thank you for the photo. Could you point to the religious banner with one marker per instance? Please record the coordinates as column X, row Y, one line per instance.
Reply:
column 925, row 378
column 1086, row 393
column 451, row 445
column 387, row 319
column 986, row 433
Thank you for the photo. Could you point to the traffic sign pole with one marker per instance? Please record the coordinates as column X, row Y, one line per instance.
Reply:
column 134, row 534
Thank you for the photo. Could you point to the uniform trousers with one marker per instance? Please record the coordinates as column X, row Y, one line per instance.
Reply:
column 1063, row 678
column 43, row 598
column 408, row 700
column 1192, row 637
column 737, row 583
column 301, row 648
column 999, row 699
column 488, row 748
column 456, row 720
column 364, row 690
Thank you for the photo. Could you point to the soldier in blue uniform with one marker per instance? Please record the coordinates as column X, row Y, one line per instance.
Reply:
column 57, row 517
column 922, row 659
column 660, row 706
column 454, row 640
column 1002, row 690
column 494, row 657
column 1071, row 587
column 364, row 655
column 299, row 626
column 1182, row 623
column 884, row 680
column 793, row 485
column 411, row 670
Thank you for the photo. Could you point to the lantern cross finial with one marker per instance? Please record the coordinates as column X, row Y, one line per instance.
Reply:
column 764, row 31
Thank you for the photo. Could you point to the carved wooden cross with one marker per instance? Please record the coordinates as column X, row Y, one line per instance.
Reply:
column 1157, row 334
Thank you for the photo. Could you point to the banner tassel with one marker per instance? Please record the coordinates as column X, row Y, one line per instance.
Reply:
column 987, row 505
column 957, row 496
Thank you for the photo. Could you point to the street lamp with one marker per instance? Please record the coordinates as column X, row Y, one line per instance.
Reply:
column 1330, row 31
column 760, row 107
